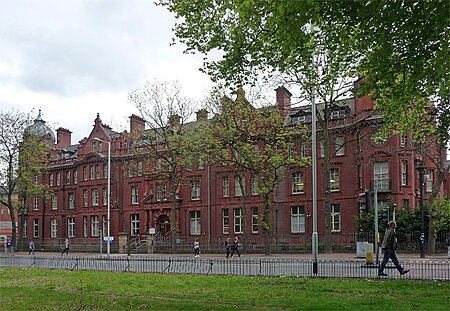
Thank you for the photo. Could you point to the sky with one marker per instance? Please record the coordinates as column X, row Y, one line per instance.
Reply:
column 74, row 59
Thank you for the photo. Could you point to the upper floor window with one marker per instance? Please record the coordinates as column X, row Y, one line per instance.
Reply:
column 85, row 172
column 381, row 176
column 58, row 178
column 85, row 198
column 195, row 189
column 403, row 141
column 51, row 180
column 321, row 149
column 97, row 171
column 75, row 177
column 238, row 220
column 94, row 197
column 339, row 146
column 195, row 222
column 55, row 202
column 225, row 187
column 71, row 227
column 429, row 180
column 53, row 228
column 68, row 178
column 404, row 173
column 304, row 149
column 105, row 171
column 104, row 196
column 36, row 203
column 239, row 186
column 36, row 179
column 334, row 179
column 130, row 169
column 164, row 192
column 71, row 200
column 92, row 169
column 158, row 165
column 297, row 183
column 254, row 184
column 158, row 192
column 134, row 195
column 139, row 168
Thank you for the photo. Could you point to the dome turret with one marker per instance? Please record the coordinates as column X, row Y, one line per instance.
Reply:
column 39, row 128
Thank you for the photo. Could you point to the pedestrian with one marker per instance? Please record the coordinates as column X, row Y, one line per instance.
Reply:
column 31, row 247
column 66, row 247
column 448, row 247
column 196, row 248
column 389, row 246
column 235, row 247
column 228, row 246
column 8, row 246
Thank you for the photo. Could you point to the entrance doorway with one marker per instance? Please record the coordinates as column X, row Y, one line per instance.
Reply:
column 163, row 225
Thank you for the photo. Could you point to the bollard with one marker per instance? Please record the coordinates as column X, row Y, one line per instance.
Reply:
column 369, row 253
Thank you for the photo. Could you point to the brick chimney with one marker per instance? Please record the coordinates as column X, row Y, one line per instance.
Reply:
column 63, row 137
column 137, row 124
column 283, row 100
column 202, row 115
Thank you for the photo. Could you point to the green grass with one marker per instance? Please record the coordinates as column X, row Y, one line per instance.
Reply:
column 40, row 289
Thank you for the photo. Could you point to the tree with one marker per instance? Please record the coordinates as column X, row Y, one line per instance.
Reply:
column 256, row 145
column 297, row 41
column 14, row 150
column 168, row 145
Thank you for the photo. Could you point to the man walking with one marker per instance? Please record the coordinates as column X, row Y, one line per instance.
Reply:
column 31, row 247
column 228, row 246
column 66, row 247
column 389, row 247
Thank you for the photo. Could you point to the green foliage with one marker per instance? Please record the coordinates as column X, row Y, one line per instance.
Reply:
column 407, row 221
column 441, row 212
column 39, row 289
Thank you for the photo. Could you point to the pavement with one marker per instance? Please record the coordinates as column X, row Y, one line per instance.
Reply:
column 306, row 256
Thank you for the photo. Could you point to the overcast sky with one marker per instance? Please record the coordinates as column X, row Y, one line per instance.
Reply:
column 74, row 59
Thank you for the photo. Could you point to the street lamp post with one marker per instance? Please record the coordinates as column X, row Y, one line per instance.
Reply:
column 108, row 216
column 421, row 169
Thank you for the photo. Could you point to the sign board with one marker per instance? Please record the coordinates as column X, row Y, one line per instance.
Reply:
column 111, row 239
column 151, row 231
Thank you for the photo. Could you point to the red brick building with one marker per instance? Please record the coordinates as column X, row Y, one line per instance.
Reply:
column 211, row 207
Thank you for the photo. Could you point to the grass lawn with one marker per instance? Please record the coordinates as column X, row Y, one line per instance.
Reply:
column 40, row 289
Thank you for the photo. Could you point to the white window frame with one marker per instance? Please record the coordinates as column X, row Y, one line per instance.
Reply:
column 297, row 219
column 35, row 228
column 381, row 175
column 25, row 228
column 71, row 227
column 92, row 172
column 134, row 195
column 85, row 198
column 238, row 220
column 255, row 218
column 53, row 228
column 298, row 184
column 195, row 189
column 134, row 224
column 85, row 226
column 55, row 201
column 304, row 149
column 94, row 194
column 225, row 221
column 68, row 177
column 404, row 173
column 238, row 190
column 85, row 173
column 97, row 171
column 104, row 196
column 35, row 203
column 104, row 226
column 194, row 223
column 429, row 179
column 158, row 192
column 335, row 217
column 334, row 179
column 75, row 177
column 225, row 186
column 139, row 168
column 58, row 178
column 254, row 184
column 71, row 200
column 95, row 230
column 339, row 145
column 51, row 180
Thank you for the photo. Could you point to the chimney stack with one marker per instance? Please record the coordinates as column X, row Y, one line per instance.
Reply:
column 63, row 137
column 283, row 100
column 202, row 115
column 137, row 124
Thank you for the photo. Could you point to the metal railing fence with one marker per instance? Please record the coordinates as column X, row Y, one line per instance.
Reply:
column 273, row 267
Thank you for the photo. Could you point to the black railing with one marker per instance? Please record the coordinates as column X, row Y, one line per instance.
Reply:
column 274, row 267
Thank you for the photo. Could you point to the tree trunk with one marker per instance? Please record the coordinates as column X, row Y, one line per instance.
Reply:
column 265, row 226
column 174, row 218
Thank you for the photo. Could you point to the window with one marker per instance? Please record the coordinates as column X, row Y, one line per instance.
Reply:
column 92, row 170
column 75, row 177
column 134, row 224
column 51, row 179
column 36, row 203
column 201, row 165
column 85, row 227
column 85, row 172
column 71, row 227
column 97, row 171
column 94, row 146
column 158, row 192
column 134, row 195
column 335, row 218
column 94, row 197
column 334, row 179
column 105, row 171
column 381, row 175
column 291, row 152
column 304, row 149
column 58, row 178
column 404, row 172
column 53, row 228
column 35, row 228
column 239, row 185
column 429, row 180
column 25, row 228
column 55, row 202
column 254, row 184
column 322, row 149
column 71, row 200
column 225, row 187
column 100, row 146
column 36, row 179
column 297, row 183
column 225, row 221
column 403, row 141
column 360, row 181
column 339, row 146
column 237, row 220
column 68, row 177
column 104, row 226
column 130, row 169
column 255, row 220
column 405, row 203
column 139, row 168
column 164, row 192
column 85, row 198
column 158, row 165
column 195, row 222
column 297, row 219
column 94, row 226
column 104, row 196
column 195, row 189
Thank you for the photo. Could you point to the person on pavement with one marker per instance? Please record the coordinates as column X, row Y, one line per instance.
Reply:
column 235, row 247
column 228, row 246
column 31, row 247
column 389, row 247
column 66, row 247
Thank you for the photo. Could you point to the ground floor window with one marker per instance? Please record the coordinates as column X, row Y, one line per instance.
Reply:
column 134, row 218
column 225, row 221
column 195, row 222
column 297, row 219
column 237, row 220
column 71, row 227
column 335, row 217
column 35, row 228
column 53, row 228
column 255, row 218
column 94, row 226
